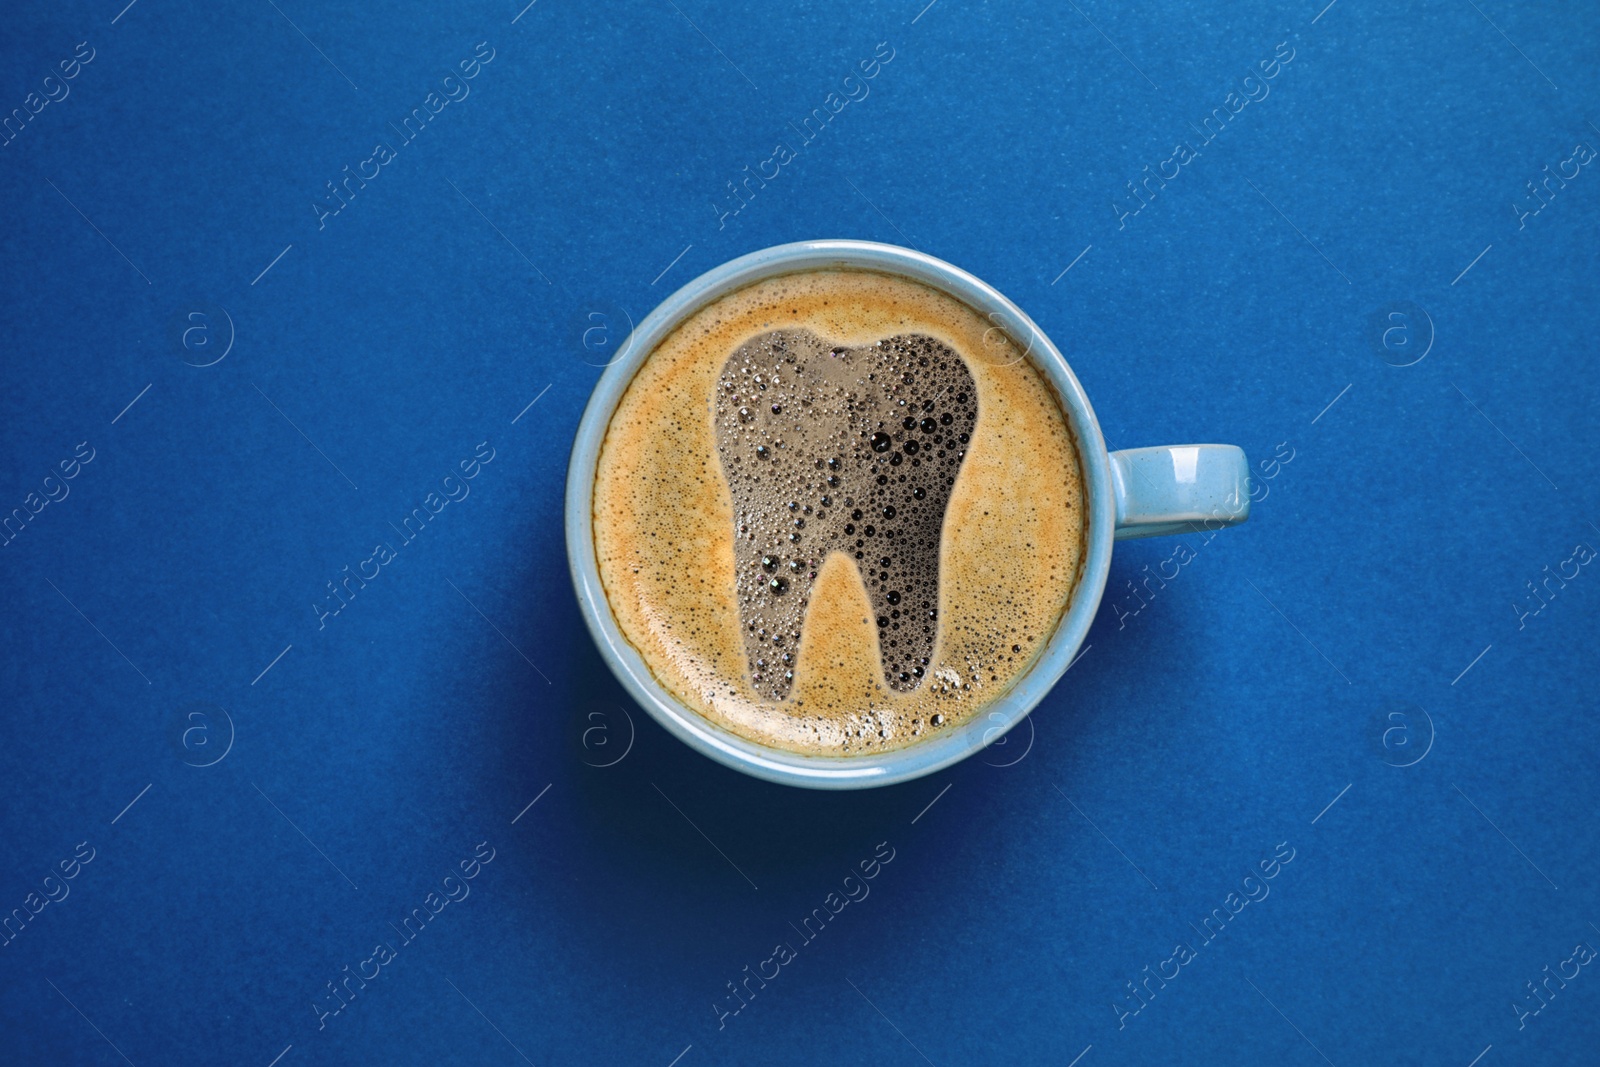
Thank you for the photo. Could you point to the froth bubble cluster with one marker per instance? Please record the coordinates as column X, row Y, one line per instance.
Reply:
column 852, row 449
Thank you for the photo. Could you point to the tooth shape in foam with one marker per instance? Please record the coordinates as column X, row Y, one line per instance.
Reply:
column 832, row 448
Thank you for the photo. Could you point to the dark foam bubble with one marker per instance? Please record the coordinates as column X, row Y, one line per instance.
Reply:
column 851, row 449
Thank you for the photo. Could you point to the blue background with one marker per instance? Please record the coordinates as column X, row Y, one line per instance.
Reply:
column 1365, row 617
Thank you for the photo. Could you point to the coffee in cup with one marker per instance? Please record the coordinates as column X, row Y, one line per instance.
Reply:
column 838, row 512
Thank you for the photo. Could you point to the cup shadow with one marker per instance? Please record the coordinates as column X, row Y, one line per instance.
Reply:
column 651, row 808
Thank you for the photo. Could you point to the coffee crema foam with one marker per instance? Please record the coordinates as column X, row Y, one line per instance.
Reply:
column 747, row 462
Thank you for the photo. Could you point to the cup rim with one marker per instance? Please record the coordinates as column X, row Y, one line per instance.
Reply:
column 919, row 758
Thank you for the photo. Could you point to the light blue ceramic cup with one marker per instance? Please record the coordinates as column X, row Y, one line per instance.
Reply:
column 1140, row 492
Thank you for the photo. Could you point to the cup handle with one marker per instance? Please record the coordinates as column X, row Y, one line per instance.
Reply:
column 1177, row 489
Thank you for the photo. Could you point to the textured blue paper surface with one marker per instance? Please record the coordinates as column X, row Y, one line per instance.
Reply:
column 225, row 385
